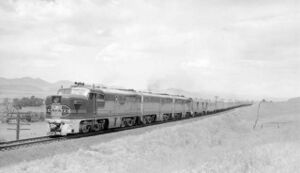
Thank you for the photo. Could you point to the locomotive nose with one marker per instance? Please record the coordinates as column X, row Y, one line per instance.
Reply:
column 57, row 106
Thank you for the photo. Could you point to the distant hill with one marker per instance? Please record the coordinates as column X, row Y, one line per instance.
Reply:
column 26, row 86
column 294, row 100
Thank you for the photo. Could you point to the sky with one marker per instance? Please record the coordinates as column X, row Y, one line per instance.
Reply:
column 235, row 48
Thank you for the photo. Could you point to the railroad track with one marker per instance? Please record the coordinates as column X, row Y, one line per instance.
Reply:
column 27, row 142
column 12, row 145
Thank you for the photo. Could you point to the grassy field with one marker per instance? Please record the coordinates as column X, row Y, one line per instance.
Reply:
column 36, row 128
column 223, row 143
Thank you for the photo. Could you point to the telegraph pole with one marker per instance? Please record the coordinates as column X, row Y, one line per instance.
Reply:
column 257, row 116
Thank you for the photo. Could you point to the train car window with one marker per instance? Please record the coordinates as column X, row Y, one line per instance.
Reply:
column 109, row 97
column 130, row 98
column 156, row 99
column 151, row 99
column 100, row 96
column 122, row 99
column 138, row 99
column 169, row 100
column 145, row 99
column 178, row 101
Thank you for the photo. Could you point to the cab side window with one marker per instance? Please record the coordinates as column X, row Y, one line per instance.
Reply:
column 100, row 100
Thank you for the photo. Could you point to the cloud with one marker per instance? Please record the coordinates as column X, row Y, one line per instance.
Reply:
column 198, row 63
column 219, row 46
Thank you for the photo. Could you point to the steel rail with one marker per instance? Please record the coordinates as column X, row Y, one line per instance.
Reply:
column 31, row 141
column 23, row 140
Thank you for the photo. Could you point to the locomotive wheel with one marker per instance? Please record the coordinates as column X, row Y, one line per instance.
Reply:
column 166, row 117
column 129, row 122
column 97, row 127
column 148, row 119
column 86, row 128
column 152, row 119
column 134, row 121
column 125, row 123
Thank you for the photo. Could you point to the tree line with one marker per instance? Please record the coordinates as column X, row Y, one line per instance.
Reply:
column 25, row 101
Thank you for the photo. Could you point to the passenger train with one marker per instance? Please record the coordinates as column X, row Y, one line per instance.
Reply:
column 84, row 108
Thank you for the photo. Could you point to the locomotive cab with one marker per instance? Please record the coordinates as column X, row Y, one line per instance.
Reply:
column 63, row 109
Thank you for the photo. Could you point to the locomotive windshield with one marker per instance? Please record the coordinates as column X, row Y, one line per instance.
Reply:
column 75, row 91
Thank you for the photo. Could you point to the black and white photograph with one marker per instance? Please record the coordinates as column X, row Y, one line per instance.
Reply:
column 149, row 86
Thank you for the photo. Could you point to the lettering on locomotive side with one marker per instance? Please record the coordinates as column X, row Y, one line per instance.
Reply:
column 56, row 110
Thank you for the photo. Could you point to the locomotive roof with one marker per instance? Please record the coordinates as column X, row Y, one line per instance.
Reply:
column 164, row 95
column 129, row 92
column 133, row 92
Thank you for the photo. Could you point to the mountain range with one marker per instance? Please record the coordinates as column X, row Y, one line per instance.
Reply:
column 27, row 86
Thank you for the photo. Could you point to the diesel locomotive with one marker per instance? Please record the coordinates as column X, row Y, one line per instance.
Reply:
column 84, row 108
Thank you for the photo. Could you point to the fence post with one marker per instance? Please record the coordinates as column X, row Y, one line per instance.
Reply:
column 18, row 127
